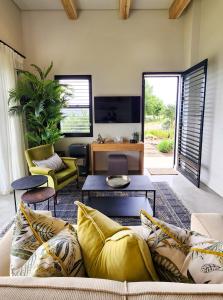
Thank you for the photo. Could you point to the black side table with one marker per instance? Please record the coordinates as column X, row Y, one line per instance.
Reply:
column 28, row 183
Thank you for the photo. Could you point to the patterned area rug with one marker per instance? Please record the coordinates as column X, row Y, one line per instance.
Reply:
column 168, row 207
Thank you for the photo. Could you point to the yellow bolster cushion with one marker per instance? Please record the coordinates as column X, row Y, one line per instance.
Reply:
column 112, row 251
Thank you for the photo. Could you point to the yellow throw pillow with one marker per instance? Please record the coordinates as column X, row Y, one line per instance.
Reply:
column 111, row 251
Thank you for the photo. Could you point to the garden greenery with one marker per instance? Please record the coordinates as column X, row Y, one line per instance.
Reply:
column 165, row 146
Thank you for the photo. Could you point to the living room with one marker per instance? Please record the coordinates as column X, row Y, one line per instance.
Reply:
column 112, row 44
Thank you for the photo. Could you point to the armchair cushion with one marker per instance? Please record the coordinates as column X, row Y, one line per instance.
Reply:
column 65, row 174
column 54, row 162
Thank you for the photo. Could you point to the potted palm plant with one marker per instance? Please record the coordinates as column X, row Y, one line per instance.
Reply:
column 39, row 100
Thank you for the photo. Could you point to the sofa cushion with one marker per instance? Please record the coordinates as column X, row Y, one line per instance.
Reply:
column 57, row 288
column 54, row 162
column 64, row 174
column 111, row 251
column 31, row 230
column 59, row 256
column 169, row 247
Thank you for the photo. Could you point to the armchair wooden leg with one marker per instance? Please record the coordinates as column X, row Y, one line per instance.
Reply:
column 54, row 205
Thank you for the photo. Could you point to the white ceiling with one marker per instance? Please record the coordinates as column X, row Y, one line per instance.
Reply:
column 91, row 4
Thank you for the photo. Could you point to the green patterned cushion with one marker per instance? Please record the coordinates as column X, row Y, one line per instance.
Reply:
column 168, row 246
column 31, row 231
column 60, row 256
column 204, row 262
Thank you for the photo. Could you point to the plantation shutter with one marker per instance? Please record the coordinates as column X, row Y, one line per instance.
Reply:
column 78, row 113
column 191, row 120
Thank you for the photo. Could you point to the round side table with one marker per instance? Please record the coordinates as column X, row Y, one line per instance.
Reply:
column 27, row 183
column 38, row 195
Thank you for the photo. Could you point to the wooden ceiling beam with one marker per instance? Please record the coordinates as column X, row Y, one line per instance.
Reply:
column 70, row 9
column 177, row 8
column 124, row 8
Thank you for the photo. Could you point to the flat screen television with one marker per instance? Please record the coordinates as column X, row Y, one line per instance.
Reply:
column 123, row 109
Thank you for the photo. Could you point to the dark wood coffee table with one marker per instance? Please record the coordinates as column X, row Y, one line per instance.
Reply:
column 27, row 183
column 38, row 195
column 123, row 205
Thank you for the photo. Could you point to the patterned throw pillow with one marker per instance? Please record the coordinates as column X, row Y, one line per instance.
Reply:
column 33, row 231
column 54, row 162
column 60, row 256
column 204, row 262
column 181, row 255
column 168, row 245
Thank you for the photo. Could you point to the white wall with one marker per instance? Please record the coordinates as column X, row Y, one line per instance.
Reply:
column 11, row 24
column 206, row 41
column 113, row 51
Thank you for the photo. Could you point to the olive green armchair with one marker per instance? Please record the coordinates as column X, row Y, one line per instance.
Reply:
column 56, row 180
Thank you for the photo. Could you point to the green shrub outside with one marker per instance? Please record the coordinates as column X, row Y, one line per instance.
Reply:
column 159, row 133
column 165, row 146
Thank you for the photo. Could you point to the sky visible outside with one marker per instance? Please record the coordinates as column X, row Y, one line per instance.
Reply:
column 165, row 88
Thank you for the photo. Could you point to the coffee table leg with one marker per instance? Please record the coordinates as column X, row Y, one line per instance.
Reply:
column 154, row 203
column 15, row 201
column 48, row 204
column 54, row 206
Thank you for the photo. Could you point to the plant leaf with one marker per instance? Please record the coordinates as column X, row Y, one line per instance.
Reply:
column 41, row 74
column 48, row 70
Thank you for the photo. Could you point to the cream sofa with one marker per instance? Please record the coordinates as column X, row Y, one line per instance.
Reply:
column 26, row 288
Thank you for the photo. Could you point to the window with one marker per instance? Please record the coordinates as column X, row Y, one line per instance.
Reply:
column 78, row 113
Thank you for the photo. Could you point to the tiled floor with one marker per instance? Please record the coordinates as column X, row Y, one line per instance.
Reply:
column 196, row 200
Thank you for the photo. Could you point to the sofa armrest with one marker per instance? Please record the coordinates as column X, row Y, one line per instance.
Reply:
column 208, row 224
column 5, row 248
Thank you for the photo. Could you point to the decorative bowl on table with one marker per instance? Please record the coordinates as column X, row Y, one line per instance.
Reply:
column 118, row 181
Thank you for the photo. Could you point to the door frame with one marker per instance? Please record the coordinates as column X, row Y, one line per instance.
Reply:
column 164, row 74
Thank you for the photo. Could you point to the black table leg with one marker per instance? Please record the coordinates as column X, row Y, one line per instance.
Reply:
column 48, row 204
column 54, row 206
column 15, row 201
column 154, row 203
column 34, row 204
